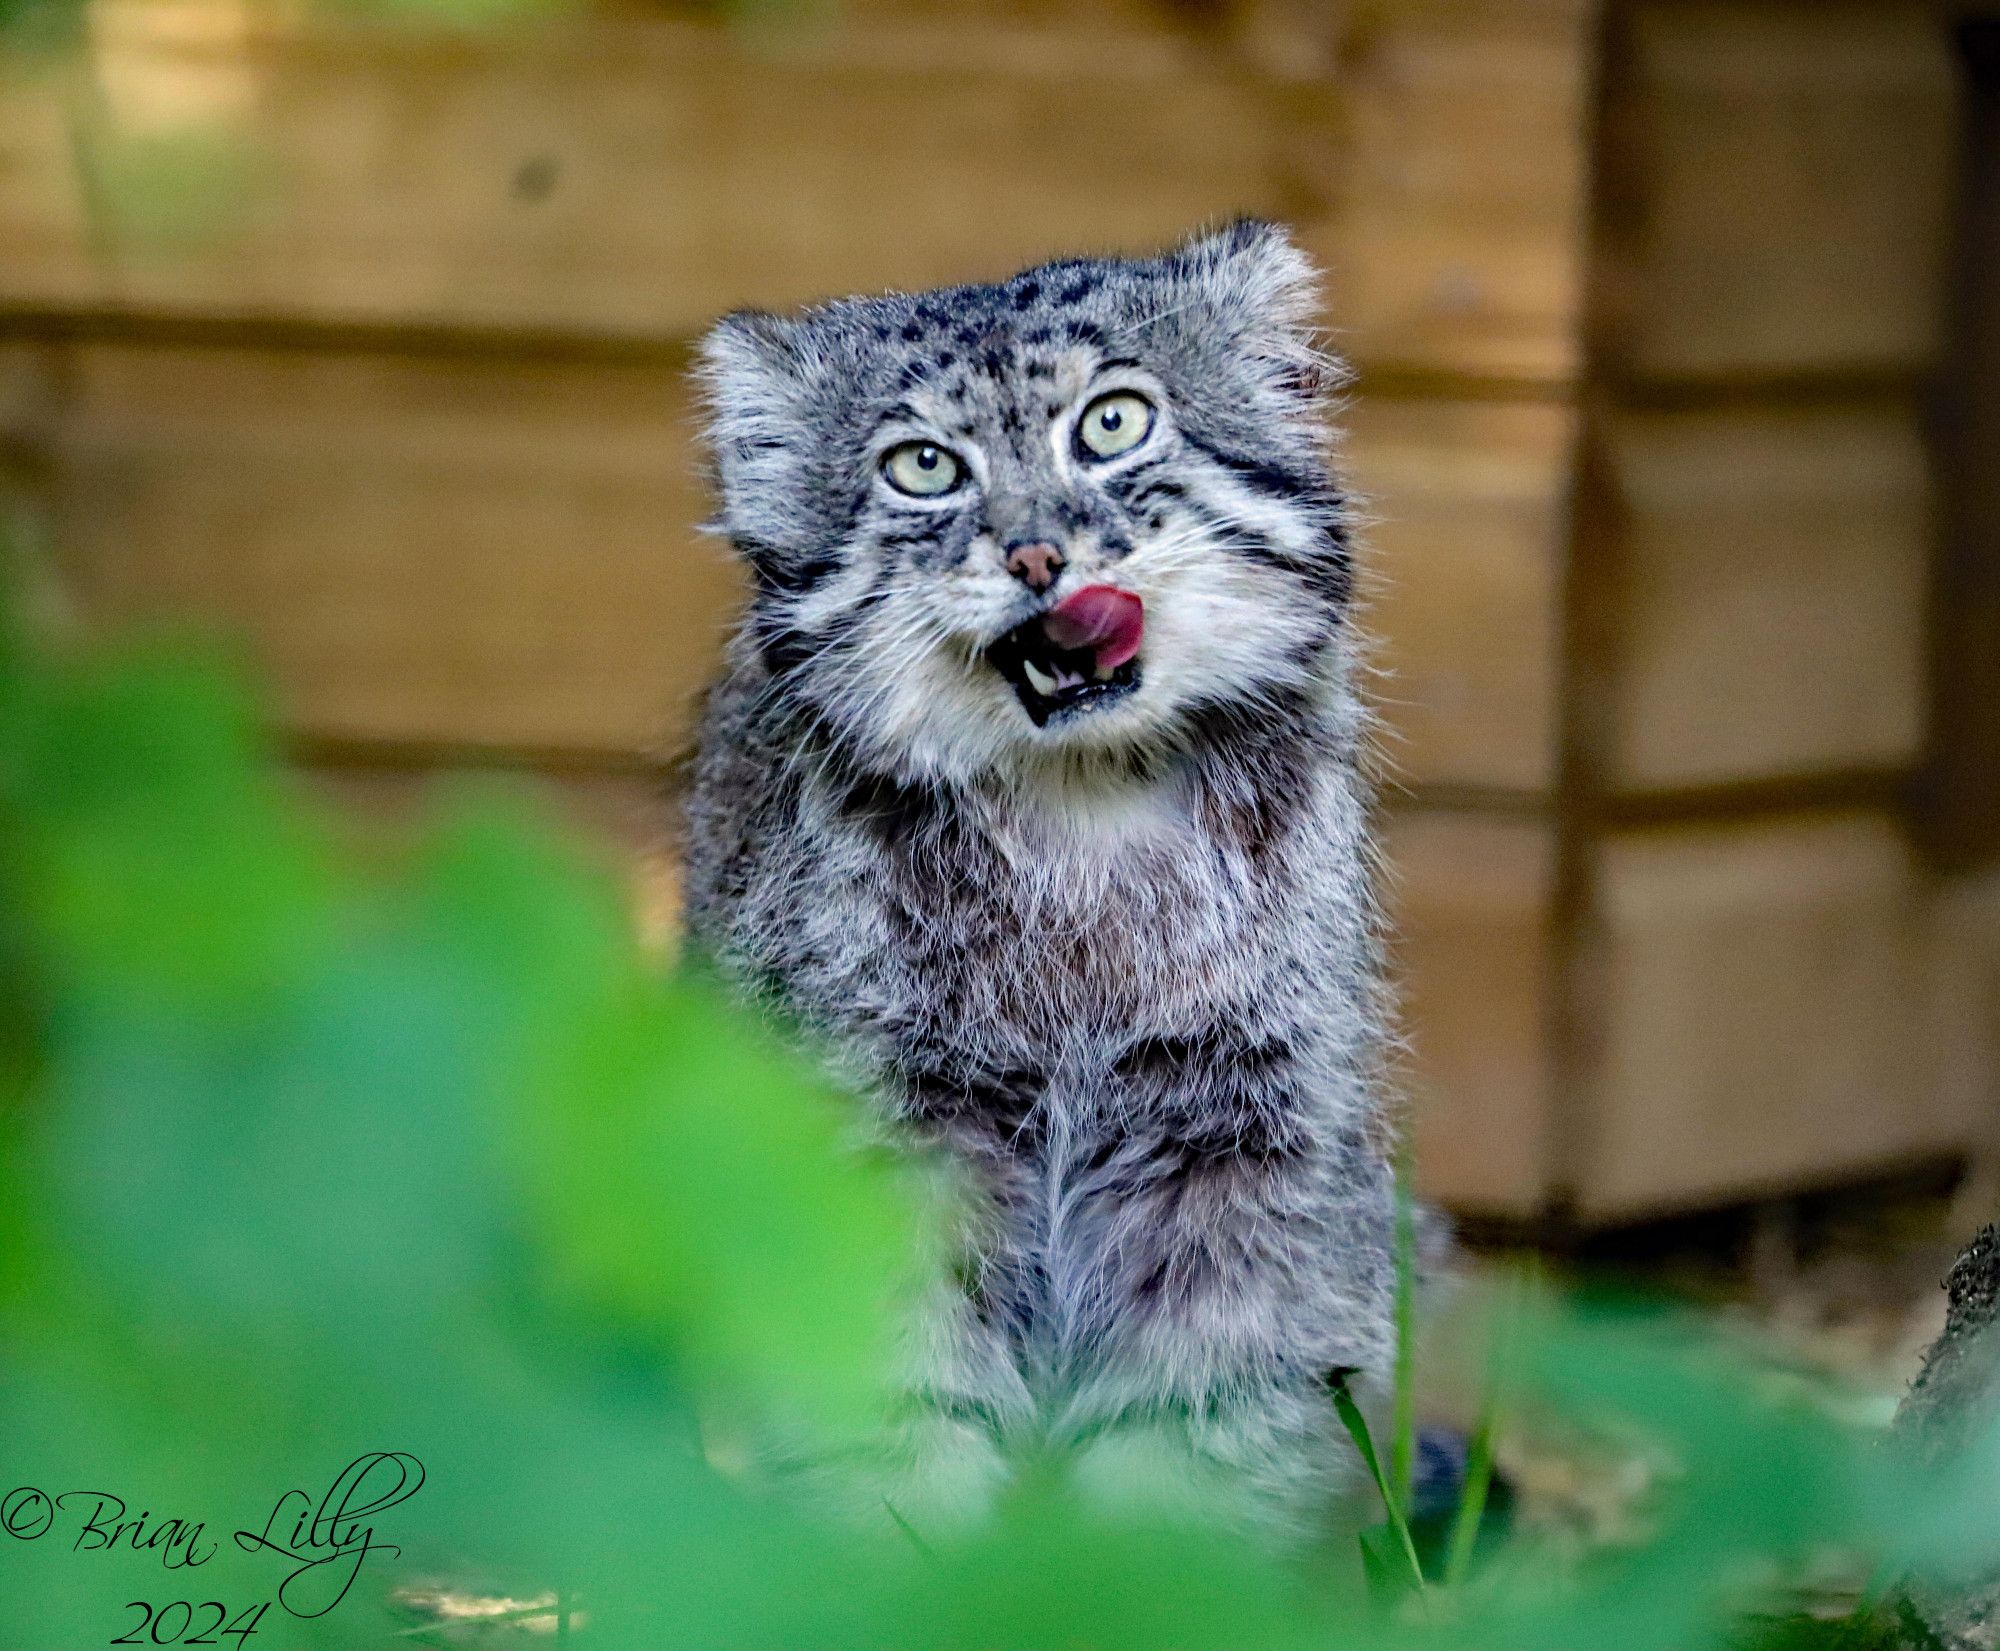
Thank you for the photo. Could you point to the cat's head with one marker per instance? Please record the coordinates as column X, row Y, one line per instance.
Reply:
column 1074, row 513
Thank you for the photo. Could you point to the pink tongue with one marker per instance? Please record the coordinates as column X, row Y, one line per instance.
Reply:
column 1111, row 622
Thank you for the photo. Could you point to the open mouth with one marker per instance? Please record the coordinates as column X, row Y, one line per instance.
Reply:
column 1079, row 656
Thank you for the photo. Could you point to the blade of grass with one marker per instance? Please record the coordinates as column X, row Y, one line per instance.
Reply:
column 1357, row 1430
column 1471, row 1497
column 1479, row 1450
column 1403, row 1416
column 909, row 1530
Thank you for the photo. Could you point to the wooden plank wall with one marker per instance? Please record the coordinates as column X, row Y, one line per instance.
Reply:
column 460, row 318
column 1745, row 984
column 1686, row 955
column 1962, row 783
column 1649, row 492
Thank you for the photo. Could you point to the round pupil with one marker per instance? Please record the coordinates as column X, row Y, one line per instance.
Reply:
column 927, row 458
column 1111, row 418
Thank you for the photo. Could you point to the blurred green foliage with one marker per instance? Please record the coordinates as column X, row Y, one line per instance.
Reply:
column 40, row 25
column 311, row 1150
column 314, row 1149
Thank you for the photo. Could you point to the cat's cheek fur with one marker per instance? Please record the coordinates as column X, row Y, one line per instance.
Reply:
column 1230, row 632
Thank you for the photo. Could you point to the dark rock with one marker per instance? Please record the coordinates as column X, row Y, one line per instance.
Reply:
column 1953, row 1403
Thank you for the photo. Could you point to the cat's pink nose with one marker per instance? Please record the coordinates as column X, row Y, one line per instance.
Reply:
column 1035, row 565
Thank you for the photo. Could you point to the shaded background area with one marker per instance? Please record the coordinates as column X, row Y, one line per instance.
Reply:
column 362, row 331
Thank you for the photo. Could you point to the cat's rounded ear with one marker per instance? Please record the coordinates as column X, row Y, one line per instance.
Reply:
column 749, row 358
column 756, row 378
column 1258, row 285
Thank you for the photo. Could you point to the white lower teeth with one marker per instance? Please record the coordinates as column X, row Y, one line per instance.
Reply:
column 1039, row 679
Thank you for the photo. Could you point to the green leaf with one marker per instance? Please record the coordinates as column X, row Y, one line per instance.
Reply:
column 1398, row 1527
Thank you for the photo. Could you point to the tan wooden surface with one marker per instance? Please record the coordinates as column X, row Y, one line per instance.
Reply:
column 636, row 174
column 1784, row 188
column 1758, row 1020
column 1456, row 236
column 1960, row 807
column 1469, row 897
column 622, row 822
column 21, row 375
column 1468, row 501
column 1770, row 602
column 626, row 816
column 458, row 553
column 1963, row 1024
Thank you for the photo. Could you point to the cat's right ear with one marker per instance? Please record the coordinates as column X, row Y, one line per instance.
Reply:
column 756, row 376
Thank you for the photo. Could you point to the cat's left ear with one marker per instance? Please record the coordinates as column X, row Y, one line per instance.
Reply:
column 757, row 373
column 1259, row 287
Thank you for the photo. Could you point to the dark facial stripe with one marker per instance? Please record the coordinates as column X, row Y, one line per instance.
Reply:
column 1271, row 480
column 1331, row 570
column 1247, row 542
column 781, row 645
column 785, row 646
column 1141, row 488
column 781, row 573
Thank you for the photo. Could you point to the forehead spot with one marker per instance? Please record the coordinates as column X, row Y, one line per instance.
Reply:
column 1079, row 289
column 1037, row 335
column 1026, row 293
column 1083, row 332
column 912, row 331
column 946, row 361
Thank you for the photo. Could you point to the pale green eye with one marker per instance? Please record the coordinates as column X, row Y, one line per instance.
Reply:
column 1114, row 424
column 922, row 468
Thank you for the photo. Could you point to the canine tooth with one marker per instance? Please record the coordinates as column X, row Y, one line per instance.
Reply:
column 1104, row 673
column 1039, row 679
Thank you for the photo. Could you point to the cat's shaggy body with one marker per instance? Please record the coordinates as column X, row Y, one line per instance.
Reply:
column 1122, row 966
